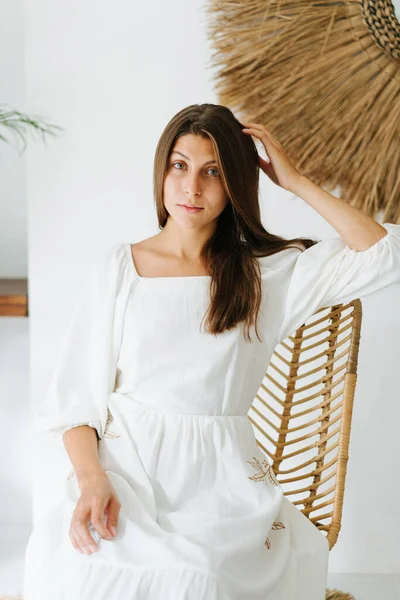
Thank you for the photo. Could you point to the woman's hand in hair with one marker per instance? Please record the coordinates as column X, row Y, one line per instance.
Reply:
column 278, row 166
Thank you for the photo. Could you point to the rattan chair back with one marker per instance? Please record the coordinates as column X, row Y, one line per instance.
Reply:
column 302, row 412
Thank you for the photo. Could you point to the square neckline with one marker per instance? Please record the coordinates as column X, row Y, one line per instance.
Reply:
column 168, row 277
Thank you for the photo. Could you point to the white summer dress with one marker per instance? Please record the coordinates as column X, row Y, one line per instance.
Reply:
column 169, row 402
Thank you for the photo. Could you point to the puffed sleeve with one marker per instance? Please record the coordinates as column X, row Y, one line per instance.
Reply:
column 330, row 272
column 85, row 370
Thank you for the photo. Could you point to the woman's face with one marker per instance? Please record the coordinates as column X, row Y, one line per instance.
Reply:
column 193, row 179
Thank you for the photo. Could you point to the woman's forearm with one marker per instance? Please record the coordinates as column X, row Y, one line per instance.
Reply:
column 81, row 446
column 358, row 230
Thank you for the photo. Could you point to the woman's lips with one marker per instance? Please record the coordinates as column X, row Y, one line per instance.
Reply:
column 190, row 209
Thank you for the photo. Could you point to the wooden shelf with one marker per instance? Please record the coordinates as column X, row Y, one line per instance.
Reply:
column 13, row 297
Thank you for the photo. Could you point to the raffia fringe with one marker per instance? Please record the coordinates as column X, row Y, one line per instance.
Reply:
column 324, row 77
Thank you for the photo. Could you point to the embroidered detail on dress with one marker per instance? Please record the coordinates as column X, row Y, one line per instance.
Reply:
column 107, row 433
column 72, row 474
column 276, row 525
column 263, row 470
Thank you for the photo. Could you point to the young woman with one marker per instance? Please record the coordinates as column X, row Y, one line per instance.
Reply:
column 164, row 354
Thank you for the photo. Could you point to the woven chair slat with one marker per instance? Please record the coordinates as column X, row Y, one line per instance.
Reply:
column 265, row 419
column 321, row 527
column 292, row 379
column 282, row 430
column 318, row 456
column 320, row 367
column 296, row 364
column 321, row 430
column 308, row 511
column 327, row 389
column 285, row 430
column 315, row 472
column 270, row 393
column 334, row 314
column 319, row 517
column 265, row 434
column 305, row 404
column 334, row 311
column 316, row 497
column 265, row 450
column 311, row 335
column 318, row 482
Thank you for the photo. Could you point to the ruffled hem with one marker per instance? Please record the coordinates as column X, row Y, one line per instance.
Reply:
column 168, row 582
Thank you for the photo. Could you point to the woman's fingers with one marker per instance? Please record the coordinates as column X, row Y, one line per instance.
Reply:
column 97, row 506
column 86, row 542
column 258, row 130
column 79, row 542
column 79, row 531
column 262, row 136
column 262, row 133
column 97, row 518
column 112, row 515
column 278, row 166
column 74, row 542
column 79, row 518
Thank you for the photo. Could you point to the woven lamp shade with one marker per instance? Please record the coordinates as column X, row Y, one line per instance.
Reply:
column 324, row 77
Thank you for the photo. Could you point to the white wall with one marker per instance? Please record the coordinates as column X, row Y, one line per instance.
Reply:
column 15, row 439
column 13, row 206
column 113, row 79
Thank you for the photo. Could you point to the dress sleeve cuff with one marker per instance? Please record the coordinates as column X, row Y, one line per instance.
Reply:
column 96, row 427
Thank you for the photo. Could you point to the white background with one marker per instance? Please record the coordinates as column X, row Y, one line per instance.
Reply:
column 112, row 76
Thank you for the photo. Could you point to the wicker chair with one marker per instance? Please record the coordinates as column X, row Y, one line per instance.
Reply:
column 302, row 412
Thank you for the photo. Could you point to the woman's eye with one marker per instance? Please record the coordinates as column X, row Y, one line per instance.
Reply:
column 211, row 169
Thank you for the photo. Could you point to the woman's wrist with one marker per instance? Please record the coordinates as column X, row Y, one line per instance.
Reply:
column 82, row 448
column 299, row 186
column 88, row 478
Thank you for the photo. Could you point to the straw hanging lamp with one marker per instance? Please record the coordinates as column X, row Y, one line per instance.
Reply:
column 324, row 77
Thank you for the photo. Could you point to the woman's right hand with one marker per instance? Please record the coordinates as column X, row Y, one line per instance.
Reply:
column 97, row 498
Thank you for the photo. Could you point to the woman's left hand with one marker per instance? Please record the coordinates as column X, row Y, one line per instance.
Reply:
column 278, row 167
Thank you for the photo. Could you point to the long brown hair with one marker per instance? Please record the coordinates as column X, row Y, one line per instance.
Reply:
column 231, row 253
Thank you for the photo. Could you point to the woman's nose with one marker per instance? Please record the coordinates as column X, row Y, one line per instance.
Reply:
column 192, row 185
